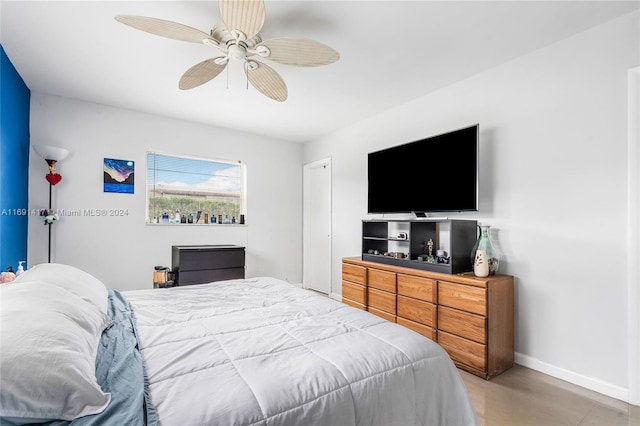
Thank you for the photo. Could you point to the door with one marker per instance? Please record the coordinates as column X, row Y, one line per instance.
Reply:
column 316, row 267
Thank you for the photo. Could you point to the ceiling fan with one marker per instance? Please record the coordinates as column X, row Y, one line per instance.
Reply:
column 237, row 37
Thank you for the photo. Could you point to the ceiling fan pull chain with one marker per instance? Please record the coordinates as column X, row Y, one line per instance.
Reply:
column 246, row 73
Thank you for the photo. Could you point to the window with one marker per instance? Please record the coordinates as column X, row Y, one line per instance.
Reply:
column 193, row 188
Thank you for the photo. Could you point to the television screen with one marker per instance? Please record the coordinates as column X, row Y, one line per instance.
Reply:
column 436, row 174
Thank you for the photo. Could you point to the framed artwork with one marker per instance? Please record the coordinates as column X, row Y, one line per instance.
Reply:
column 118, row 175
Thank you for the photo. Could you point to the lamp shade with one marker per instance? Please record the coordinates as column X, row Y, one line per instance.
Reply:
column 50, row 152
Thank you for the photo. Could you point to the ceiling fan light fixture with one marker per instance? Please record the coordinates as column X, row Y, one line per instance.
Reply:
column 237, row 52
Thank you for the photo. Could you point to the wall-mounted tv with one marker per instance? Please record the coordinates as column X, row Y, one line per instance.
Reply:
column 435, row 174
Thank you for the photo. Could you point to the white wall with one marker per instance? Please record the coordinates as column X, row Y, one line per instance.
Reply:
column 553, row 187
column 121, row 251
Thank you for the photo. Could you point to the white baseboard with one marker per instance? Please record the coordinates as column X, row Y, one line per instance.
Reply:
column 590, row 383
column 336, row 296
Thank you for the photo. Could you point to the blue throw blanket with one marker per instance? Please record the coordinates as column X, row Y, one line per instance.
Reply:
column 120, row 371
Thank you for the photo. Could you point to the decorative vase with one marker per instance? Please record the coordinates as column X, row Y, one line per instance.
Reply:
column 488, row 259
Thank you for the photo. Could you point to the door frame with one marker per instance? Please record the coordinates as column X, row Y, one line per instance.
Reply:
column 633, row 235
column 306, row 223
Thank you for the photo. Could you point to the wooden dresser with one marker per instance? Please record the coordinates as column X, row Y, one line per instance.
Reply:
column 470, row 317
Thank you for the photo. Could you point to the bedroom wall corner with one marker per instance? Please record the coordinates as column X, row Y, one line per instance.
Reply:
column 14, row 164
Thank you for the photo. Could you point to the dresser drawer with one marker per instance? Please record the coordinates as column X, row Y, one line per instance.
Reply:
column 355, row 292
column 382, row 300
column 211, row 275
column 464, row 351
column 382, row 314
column 354, row 273
column 462, row 323
column 383, row 280
column 418, row 328
column 354, row 304
column 417, row 310
column 464, row 297
column 199, row 264
column 418, row 287
column 201, row 259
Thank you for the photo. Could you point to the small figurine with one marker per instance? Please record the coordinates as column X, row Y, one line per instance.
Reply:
column 52, row 177
column 430, row 258
column 441, row 257
column 50, row 216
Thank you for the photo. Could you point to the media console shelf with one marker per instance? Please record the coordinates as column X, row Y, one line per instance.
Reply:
column 411, row 238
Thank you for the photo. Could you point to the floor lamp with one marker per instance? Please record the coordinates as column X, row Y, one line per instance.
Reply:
column 52, row 155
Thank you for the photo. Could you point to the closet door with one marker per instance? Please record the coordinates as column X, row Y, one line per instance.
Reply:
column 317, row 226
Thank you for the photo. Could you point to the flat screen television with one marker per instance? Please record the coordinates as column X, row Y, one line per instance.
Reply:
column 435, row 174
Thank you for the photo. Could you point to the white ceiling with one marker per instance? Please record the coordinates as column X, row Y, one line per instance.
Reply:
column 391, row 52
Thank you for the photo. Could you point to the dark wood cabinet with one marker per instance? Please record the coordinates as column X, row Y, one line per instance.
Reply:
column 201, row 264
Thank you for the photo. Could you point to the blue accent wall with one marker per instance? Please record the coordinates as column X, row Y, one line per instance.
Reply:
column 14, row 164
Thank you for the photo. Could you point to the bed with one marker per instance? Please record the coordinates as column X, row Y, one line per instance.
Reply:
column 254, row 351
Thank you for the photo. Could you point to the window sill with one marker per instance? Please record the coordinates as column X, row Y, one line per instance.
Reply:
column 210, row 225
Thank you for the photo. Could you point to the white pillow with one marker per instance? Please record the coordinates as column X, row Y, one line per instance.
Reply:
column 76, row 281
column 49, row 339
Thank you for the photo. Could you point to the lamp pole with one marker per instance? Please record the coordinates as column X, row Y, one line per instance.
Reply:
column 48, row 153
column 49, row 253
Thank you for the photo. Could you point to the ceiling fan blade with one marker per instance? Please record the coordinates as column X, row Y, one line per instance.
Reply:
column 164, row 28
column 302, row 52
column 246, row 16
column 266, row 80
column 200, row 73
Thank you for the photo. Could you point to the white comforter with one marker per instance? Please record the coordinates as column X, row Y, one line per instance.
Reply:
column 262, row 351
